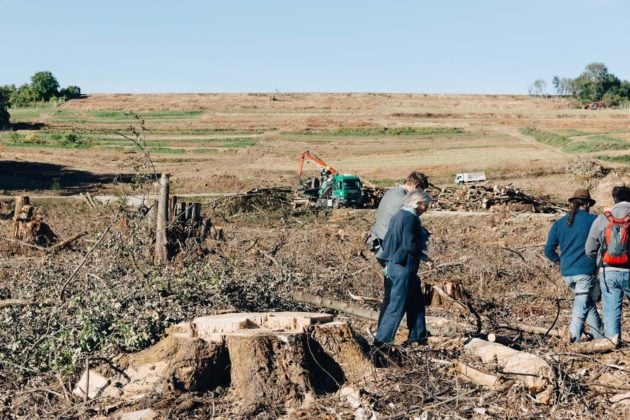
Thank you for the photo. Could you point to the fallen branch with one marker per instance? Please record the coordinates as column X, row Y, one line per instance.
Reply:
column 65, row 242
column 363, row 298
column 76, row 270
column 6, row 303
column 534, row 330
column 603, row 345
column 336, row 305
column 477, row 376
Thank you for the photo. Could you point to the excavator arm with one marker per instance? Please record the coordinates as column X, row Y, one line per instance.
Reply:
column 308, row 156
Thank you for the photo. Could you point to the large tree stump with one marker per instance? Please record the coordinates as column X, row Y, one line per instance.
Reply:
column 338, row 342
column 267, row 359
column 267, row 368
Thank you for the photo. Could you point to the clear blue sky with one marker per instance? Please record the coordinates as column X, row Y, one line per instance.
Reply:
column 436, row 46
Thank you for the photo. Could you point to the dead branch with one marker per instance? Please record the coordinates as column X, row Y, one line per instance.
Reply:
column 6, row 303
column 477, row 376
column 76, row 270
column 65, row 242
column 603, row 345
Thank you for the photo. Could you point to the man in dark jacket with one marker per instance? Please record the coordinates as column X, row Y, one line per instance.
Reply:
column 404, row 247
column 614, row 280
column 389, row 205
column 577, row 269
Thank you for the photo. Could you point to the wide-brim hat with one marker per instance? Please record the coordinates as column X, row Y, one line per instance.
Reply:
column 582, row 194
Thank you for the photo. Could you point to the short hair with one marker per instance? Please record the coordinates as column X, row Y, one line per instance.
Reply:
column 620, row 193
column 418, row 179
column 412, row 199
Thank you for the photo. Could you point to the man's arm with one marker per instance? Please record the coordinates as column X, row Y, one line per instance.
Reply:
column 551, row 248
column 593, row 241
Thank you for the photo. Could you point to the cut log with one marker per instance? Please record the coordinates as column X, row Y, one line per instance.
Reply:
column 527, row 368
column 477, row 376
column 436, row 325
column 161, row 241
column 603, row 345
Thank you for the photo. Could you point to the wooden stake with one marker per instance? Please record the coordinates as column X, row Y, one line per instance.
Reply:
column 161, row 241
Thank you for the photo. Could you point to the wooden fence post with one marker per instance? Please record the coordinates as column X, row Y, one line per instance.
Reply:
column 161, row 241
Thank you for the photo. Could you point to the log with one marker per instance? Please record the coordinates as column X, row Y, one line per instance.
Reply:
column 336, row 305
column 536, row 330
column 161, row 241
column 529, row 369
column 477, row 376
column 66, row 242
column 602, row 345
column 436, row 325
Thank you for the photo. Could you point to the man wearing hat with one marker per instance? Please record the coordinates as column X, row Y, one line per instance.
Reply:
column 570, row 233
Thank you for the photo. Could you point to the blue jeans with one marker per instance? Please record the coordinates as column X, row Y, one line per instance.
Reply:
column 404, row 295
column 587, row 293
column 614, row 285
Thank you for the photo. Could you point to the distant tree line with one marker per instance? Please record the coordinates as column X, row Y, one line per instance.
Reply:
column 44, row 87
column 595, row 84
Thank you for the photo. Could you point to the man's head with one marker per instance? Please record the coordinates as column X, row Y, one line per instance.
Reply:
column 620, row 193
column 418, row 200
column 416, row 180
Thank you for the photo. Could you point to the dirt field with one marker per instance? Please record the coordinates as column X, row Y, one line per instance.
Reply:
column 226, row 143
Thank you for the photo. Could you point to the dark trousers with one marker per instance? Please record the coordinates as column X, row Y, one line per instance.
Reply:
column 402, row 294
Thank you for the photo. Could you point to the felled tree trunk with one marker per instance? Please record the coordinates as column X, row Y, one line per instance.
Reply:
column 529, row 369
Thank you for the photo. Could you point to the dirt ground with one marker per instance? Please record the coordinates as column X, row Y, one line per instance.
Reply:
column 120, row 303
column 102, row 299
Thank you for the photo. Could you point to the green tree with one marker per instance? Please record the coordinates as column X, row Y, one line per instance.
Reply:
column 71, row 92
column 23, row 96
column 44, row 85
column 594, row 82
column 4, row 104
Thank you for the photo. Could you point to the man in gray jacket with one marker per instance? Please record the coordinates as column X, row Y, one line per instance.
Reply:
column 389, row 205
column 613, row 278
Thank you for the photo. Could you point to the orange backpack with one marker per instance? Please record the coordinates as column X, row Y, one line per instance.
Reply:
column 615, row 247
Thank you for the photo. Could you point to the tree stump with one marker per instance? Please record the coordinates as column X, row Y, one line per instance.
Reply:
column 266, row 359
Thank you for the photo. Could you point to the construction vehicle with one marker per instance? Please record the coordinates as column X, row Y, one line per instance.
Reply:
column 470, row 178
column 331, row 189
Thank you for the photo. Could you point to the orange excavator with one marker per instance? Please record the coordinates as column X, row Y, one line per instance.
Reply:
column 331, row 189
column 309, row 157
